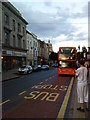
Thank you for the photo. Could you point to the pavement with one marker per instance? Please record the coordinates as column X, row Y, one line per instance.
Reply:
column 73, row 112
column 9, row 75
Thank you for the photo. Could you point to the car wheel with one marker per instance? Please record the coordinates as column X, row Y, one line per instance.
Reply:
column 29, row 71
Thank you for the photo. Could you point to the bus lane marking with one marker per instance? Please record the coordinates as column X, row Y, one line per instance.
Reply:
column 65, row 102
column 22, row 92
column 50, row 86
column 4, row 102
column 41, row 83
column 46, row 80
column 45, row 95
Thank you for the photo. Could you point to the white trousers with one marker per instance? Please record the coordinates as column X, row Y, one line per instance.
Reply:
column 82, row 91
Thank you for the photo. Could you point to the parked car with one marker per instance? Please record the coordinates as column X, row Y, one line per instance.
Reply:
column 55, row 65
column 37, row 68
column 25, row 69
column 45, row 67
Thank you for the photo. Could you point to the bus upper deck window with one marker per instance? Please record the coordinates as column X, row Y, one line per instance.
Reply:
column 61, row 50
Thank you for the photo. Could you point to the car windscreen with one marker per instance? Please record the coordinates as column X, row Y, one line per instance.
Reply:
column 23, row 67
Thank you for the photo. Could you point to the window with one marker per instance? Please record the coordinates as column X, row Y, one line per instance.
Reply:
column 23, row 30
column 19, row 42
column 14, row 41
column 6, row 37
column 36, row 53
column 19, row 27
column 13, row 25
column 6, row 19
column 24, row 44
column 33, row 43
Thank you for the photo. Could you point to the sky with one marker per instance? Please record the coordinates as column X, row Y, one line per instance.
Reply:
column 64, row 23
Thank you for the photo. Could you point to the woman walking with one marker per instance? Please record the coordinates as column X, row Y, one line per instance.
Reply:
column 82, row 87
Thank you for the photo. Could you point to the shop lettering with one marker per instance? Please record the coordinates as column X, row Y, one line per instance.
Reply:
column 43, row 96
column 51, row 87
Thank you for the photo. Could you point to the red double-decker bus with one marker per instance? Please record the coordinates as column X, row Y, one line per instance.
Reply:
column 67, row 60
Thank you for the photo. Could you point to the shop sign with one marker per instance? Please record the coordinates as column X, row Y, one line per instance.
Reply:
column 13, row 53
column 20, row 54
column 9, row 52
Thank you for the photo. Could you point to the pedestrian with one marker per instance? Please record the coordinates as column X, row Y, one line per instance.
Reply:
column 87, row 66
column 82, row 87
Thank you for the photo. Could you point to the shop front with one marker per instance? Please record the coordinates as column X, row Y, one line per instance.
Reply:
column 13, row 59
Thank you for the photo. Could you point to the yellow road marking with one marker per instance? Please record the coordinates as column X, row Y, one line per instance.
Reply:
column 64, row 104
column 40, row 82
column 46, row 80
column 22, row 93
column 4, row 102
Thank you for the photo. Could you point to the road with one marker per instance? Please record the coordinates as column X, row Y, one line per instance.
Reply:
column 37, row 95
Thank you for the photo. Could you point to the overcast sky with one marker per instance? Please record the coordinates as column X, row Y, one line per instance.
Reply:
column 63, row 23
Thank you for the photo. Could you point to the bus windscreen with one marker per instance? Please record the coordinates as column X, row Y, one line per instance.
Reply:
column 67, row 54
column 66, row 64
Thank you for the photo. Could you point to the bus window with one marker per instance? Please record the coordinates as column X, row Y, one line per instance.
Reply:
column 67, row 54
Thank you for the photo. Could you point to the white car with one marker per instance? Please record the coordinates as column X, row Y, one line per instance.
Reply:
column 45, row 67
column 25, row 69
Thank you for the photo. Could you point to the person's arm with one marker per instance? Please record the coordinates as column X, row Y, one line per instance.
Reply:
column 77, row 73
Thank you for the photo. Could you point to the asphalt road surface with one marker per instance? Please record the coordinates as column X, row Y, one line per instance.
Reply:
column 41, row 94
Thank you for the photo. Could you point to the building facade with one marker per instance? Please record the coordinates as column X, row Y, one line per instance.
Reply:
column 29, row 48
column 50, row 48
column 35, row 49
column 40, row 52
column 46, row 53
column 14, row 46
column 88, row 54
column 43, row 52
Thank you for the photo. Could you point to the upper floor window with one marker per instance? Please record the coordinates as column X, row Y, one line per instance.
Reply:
column 6, row 38
column 23, row 30
column 19, row 27
column 13, row 25
column 19, row 42
column 6, row 19
column 14, row 41
column 24, row 44
column 34, row 43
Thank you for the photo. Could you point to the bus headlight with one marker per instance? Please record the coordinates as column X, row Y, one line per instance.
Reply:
column 60, row 62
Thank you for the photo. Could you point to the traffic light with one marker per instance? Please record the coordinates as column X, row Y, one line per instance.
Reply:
column 41, row 59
